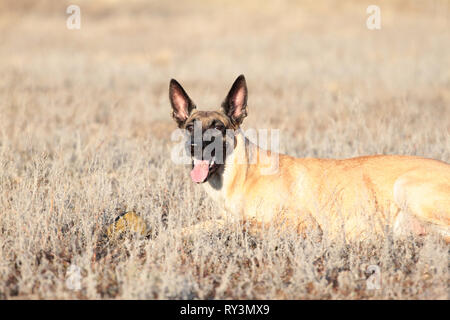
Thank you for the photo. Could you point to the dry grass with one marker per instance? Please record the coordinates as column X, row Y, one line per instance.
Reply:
column 86, row 133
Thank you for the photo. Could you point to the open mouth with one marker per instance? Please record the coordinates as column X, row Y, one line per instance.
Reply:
column 202, row 169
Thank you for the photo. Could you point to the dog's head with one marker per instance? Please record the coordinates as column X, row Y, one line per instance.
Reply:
column 209, row 132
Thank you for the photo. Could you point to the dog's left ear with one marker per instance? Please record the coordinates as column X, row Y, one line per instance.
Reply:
column 235, row 104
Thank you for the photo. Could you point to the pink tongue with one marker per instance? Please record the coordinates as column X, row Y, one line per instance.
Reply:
column 200, row 171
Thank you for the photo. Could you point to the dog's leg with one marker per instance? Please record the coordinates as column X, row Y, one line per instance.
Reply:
column 211, row 226
column 424, row 204
column 203, row 227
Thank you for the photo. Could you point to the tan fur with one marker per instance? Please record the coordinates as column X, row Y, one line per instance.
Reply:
column 206, row 117
column 354, row 197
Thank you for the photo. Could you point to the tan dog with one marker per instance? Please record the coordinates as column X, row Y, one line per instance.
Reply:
column 355, row 197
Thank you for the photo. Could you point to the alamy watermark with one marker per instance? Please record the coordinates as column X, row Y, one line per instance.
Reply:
column 73, row 277
column 373, row 282
column 373, row 22
column 216, row 145
column 73, row 22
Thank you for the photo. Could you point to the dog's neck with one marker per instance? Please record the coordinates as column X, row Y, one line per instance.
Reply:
column 219, row 186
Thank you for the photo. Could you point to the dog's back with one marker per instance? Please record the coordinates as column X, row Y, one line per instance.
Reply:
column 358, row 196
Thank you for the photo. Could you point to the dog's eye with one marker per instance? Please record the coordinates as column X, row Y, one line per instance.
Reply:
column 190, row 128
column 219, row 127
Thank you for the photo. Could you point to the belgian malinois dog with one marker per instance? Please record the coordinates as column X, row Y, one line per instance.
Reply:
column 355, row 197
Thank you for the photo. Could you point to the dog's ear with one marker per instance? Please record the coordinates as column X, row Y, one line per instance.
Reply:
column 182, row 105
column 235, row 104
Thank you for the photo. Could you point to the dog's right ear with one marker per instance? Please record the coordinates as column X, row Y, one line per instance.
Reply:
column 182, row 105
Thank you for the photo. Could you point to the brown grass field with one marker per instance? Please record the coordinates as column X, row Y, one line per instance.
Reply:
column 85, row 134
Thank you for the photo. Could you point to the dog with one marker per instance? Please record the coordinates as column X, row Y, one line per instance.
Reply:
column 356, row 197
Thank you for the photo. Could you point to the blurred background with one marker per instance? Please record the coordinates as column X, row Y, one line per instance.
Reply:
column 307, row 63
